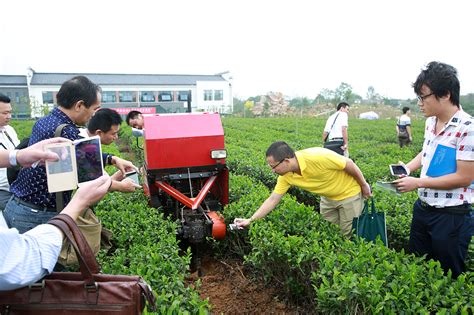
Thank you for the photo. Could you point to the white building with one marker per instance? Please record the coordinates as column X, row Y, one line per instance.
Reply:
column 157, row 92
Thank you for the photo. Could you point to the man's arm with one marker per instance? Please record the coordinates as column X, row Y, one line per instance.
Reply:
column 463, row 177
column 268, row 205
column 409, row 132
column 414, row 164
column 353, row 170
column 345, row 137
column 325, row 134
column 26, row 258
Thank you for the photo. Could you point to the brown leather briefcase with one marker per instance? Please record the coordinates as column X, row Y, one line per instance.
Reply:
column 84, row 292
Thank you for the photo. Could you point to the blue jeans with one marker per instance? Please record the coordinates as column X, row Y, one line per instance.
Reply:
column 441, row 236
column 4, row 197
column 24, row 218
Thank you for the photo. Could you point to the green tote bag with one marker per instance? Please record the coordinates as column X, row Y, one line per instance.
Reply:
column 370, row 224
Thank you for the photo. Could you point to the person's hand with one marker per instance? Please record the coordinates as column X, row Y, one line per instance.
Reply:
column 242, row 223
column 127, row 185
column 345, row 146
column 118, row 176
column 88, row 194
column 35, row 153
column 123, row 165
column 366, row 191
column 406, row 183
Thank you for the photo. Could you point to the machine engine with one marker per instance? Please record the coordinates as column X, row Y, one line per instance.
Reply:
column 186, row 172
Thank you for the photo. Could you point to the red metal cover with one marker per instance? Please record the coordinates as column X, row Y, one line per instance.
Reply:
column 182, row 140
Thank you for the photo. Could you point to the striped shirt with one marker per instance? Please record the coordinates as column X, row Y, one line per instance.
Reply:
column 459, row 134
column 26, row 258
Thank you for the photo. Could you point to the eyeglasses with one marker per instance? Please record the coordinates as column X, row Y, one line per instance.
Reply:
column 276, row 165
column 422, row 98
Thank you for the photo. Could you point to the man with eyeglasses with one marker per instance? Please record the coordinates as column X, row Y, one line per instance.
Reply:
column 337, row 179
column 443, row 220
column 8, row 141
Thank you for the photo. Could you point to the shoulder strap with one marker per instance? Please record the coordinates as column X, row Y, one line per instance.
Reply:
column 59, row 195
column 327, row 136
column 88, row 263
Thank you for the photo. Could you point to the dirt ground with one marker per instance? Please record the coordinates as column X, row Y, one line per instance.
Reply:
column 230, row 291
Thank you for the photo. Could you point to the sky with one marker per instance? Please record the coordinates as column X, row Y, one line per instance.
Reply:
column 295, row 47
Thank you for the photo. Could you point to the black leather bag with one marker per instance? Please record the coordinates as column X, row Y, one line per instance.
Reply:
column 335, row 145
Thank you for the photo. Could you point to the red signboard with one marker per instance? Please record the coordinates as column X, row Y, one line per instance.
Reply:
column 143, row 110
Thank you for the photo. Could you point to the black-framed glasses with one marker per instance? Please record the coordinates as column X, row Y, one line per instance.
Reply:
column 276, row 165
column 422, row 98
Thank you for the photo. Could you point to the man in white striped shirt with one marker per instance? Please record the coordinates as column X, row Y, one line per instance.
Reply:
column 26, row 258
column 443, row 219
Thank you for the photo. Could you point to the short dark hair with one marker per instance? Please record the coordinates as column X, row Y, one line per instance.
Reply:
column 280, row 150
column 103, row 120
column 4, row 98
column 405, row 109
column 132, row 115
column 441, row 78
column 77, row 89
column 342, row 104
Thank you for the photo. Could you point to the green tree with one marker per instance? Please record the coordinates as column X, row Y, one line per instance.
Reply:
column 343, row 92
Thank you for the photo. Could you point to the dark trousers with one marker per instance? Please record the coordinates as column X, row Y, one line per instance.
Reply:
column 441, row 236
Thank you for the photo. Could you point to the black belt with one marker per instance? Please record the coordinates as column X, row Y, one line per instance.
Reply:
column 33, row 206
column 460, row 209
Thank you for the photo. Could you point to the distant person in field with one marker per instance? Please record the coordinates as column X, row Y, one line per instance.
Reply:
column 336, row 129
column 135, row 120
column 337, row 179
column 8, row 141
column 404, row 128
column 443, row 220
column 106, row 124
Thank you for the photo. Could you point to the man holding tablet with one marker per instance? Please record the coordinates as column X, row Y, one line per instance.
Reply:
column 32, row 203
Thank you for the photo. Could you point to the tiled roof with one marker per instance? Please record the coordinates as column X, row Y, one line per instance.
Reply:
column 13, row 80
column 103, row 79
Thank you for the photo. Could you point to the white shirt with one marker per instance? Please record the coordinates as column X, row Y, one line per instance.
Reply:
column 341, row 121
column 459, row 134
column 404, row 121
column 6, row 144
column 26, row 258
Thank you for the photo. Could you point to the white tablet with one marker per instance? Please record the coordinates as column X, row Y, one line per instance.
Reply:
column 61, row 175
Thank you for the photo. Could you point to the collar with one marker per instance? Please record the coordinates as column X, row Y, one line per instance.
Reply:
column 301, row 161
column 62, row 116
column 455, row 120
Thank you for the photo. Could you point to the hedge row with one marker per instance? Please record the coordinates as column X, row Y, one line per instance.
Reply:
column 294, row 248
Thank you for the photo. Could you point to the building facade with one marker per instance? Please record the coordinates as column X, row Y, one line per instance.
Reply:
column 155, row 92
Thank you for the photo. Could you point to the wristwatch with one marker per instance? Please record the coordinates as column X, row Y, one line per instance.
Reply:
column 12, row 157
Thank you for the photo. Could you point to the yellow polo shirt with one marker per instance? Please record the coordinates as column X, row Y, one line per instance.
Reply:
column 322, row 173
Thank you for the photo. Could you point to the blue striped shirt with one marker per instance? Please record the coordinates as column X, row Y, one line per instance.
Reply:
column 26, row 258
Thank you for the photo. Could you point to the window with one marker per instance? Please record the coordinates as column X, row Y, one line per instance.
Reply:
column 109, row 97
column 218, row 95
column 48, row 98
column 147, row 96
column 127, row 96
column 165, row 96
column 208, row 95
column 183, row 96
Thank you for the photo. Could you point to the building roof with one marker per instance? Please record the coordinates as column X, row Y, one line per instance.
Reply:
column 103, row 79
column 12, row 80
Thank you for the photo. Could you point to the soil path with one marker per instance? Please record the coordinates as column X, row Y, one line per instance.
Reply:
column 230, row 291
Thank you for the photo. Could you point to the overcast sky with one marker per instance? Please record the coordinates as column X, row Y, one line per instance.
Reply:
column 295, row 47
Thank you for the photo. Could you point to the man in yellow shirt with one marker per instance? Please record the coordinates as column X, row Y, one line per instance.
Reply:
column 337, row 179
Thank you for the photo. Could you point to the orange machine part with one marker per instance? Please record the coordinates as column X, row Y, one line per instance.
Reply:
column 218, row 228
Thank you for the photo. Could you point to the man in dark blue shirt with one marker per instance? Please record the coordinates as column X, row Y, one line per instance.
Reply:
column 32, row 204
